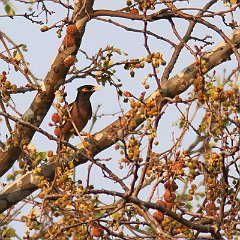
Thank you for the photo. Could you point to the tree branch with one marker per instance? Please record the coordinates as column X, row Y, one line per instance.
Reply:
column 105, row 138
column 44, row 98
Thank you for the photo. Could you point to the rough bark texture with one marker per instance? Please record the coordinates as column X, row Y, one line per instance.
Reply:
column 105, row 138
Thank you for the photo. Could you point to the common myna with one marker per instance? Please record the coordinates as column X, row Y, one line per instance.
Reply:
column 80, row 112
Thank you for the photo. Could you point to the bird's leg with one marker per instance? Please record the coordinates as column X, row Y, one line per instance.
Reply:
column 83, row 133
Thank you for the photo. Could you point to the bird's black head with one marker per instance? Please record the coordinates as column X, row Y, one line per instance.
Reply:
column 87, row 90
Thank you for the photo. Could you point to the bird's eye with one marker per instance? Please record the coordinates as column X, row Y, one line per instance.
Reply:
column 86, row 89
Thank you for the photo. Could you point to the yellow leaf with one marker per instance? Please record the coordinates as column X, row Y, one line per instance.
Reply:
column 18, row 57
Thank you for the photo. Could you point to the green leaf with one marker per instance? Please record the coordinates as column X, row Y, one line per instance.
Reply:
column 99, row 214
column 11, row 233
column 9, row 10
column 10, row 177
column 14, row 53
column 8, row 233
column 43, row 155
column 24, row 48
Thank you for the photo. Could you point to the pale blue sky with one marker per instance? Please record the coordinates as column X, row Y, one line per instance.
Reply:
column 42, row 48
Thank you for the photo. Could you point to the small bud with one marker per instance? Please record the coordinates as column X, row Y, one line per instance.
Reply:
column 127, row 94
column 44, row 29
column 146, row 86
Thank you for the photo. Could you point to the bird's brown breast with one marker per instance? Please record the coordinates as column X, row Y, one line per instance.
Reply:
column 80, row 114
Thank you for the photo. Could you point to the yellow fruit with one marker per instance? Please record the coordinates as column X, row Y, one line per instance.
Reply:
column 14, row 88
column 7, row 84
column 44, row 29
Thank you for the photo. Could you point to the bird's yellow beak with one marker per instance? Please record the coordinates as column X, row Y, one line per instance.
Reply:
column 96, row 88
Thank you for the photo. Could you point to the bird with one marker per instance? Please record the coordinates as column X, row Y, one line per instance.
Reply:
column 80, row 112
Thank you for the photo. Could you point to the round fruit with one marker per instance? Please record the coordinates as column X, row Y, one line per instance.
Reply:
column 56, row 118
column 72, row 29
column 97, row 231
column 68, row 41
column 57, row 131
column 159, row 216
column 169, row 196
column 210, row 209
column 134, row 11
column 44, row 29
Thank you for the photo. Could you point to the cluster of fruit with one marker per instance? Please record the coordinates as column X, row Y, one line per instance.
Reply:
column 168, row 202
column 143, row 4
column 6, row 87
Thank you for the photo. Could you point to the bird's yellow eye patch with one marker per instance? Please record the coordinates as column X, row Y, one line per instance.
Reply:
column 86, row 90
column 89, row 89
